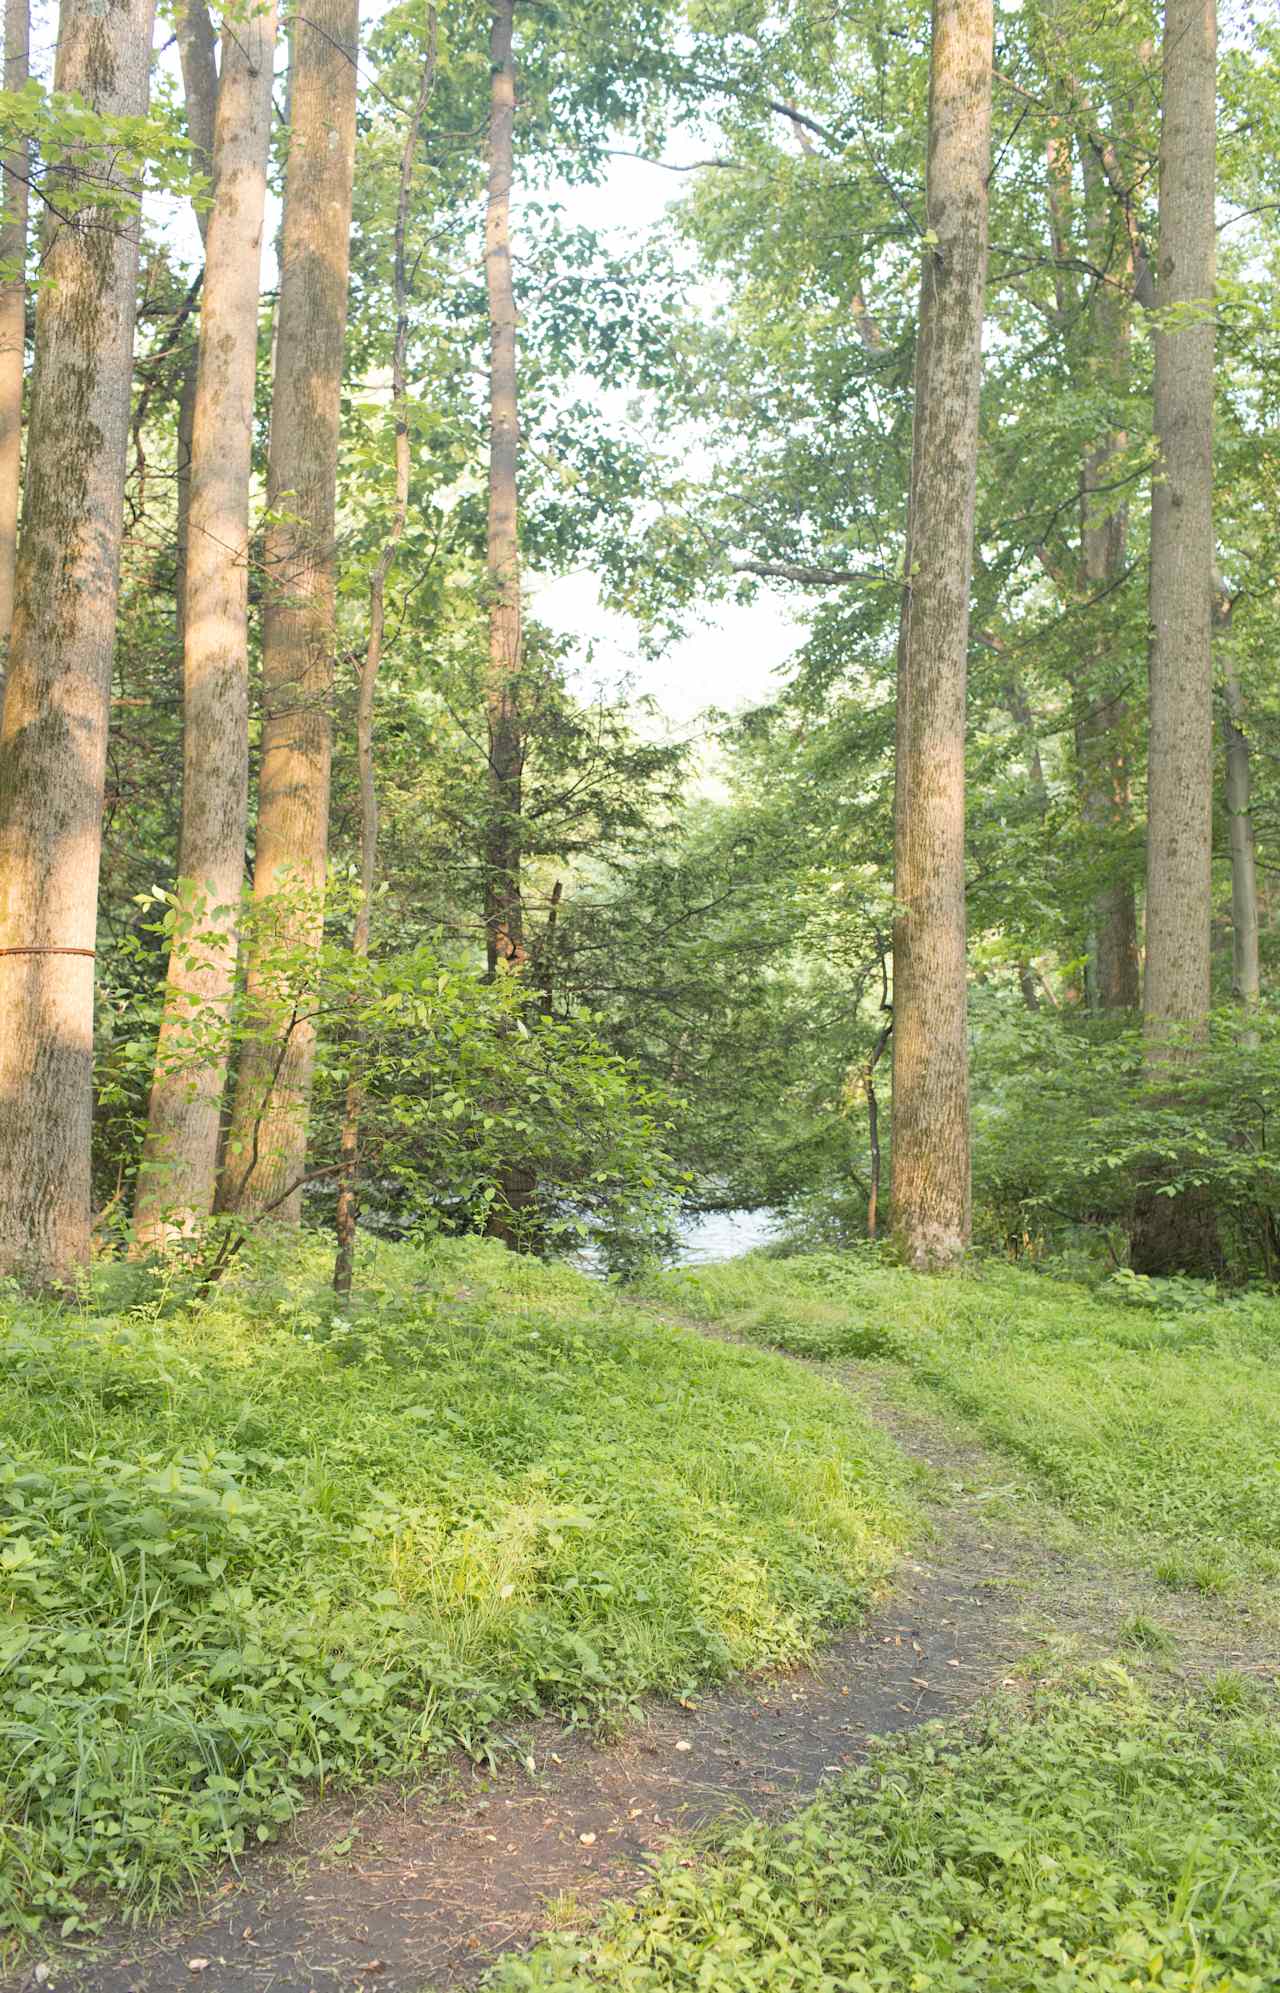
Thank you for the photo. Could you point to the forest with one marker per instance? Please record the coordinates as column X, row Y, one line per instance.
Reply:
column 612, row 617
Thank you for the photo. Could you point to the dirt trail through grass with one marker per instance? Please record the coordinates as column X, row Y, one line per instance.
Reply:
column 404, row 1890
column 401, row 1890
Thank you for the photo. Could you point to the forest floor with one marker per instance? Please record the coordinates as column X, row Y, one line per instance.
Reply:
column 1002, row 1589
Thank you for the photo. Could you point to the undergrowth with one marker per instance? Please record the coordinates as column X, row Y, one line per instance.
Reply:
column 1091, row 1842
column 1149, row 1410
column 250, row 1549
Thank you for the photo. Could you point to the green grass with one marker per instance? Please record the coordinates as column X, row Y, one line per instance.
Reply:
column 247, row 1550
column 1089, row 1843
column 1150, row 1413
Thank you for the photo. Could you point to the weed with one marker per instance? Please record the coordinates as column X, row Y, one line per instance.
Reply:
column 1150, row 1411
column 1095, row 1843
column 250, row 1551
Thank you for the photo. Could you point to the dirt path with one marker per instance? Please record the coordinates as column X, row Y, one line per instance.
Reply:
column 405, row 1890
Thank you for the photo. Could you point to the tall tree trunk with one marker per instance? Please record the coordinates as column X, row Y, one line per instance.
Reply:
column 931, row 1210
column 1102, row 753
column 1178, row 1233
column 53, row 741
column 348, row 1210
column 504, row 910
column 503, row 896
column 1246, row 975
column 13, row 318
column 198, row 54
column 179, row 1160
column 266, row 1149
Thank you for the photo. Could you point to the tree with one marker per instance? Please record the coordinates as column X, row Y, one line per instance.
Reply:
column 931, row 1188
column 13, row 317
column 347, row 1212
column 266, row 1147
column 179, row 1169
column 57, row 702
column 504, row 911
column 198, row 55
column 1179, row 1232
column 1102, row 715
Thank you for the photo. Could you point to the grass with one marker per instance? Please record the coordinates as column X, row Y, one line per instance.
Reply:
column 1088, row 1841
column 1150, row 1412
column 247, row 1550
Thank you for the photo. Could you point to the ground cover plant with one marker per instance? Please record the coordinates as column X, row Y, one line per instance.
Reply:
column 1149, row 1410
column 257, row 1545
column 1089, row 1841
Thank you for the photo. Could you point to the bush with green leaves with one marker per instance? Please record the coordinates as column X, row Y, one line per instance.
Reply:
column 476, row 1108
column 253, row 1548
column 1070, row 1125
column 1093, row 1842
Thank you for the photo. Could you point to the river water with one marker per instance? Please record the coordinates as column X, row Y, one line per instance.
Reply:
column 724, row 1234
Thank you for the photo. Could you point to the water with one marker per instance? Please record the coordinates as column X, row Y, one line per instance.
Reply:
column 724, row 1234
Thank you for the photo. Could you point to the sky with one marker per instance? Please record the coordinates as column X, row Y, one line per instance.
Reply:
column 731, row 659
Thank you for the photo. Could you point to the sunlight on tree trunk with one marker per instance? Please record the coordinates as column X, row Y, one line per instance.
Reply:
column 13, row 318
column 53, row 742
column 266, row 1149
column 931, row 1197
column 179, row 1163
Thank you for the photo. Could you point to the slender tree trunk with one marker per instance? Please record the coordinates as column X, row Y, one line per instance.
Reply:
column 13, row 319
column 198, row 54
column 179, row 1159
column 266, row 1149
column 1102, row 752
column 53, row 741
column 348, row 1210
column 931, row 1170
column 503, row 896
column 1246, row 975
column 504, row 910
column 1178, row 1233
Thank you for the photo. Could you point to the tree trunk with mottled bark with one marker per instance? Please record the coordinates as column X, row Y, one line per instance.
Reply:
column 348, row 1206
column 931, row 1208
column 503, row 894
column 53, row 740
column 1179, row 1233
column 198, row 54
column 266, row 1148
column 1246, row 973
column 179, row 1162
column 13, row 318
column 1102, row 714
column 504, row 909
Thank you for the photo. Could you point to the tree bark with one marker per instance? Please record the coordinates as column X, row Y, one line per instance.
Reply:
column 1102, row 755
column 931, row 1209
column 266, row 1148
column 13, row 319
column 198, row 54
column 179, row 1161
column 348, row 1210
column 504, row 909
column 1178, row 1233
column 54, row 736
column 1246, row 974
